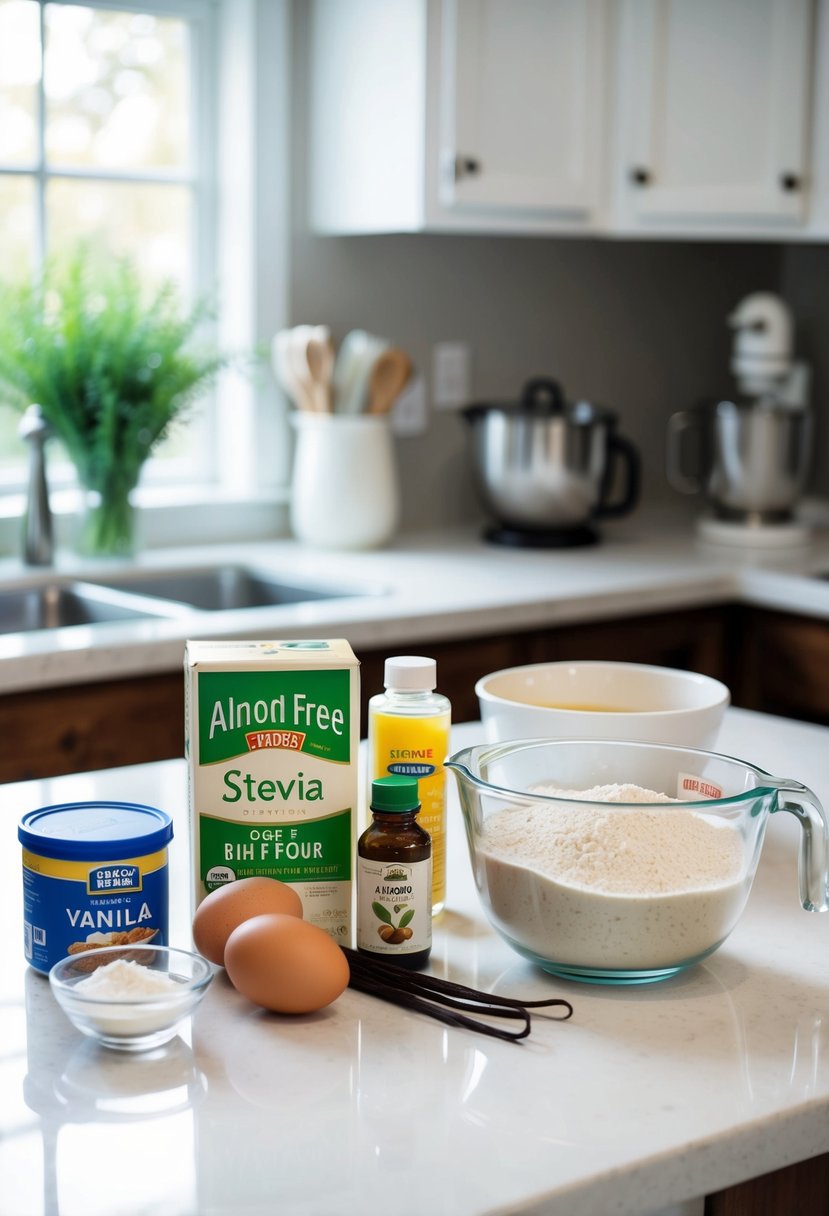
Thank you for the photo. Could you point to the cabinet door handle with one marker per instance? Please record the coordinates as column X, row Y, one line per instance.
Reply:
column 466, row 166
column 789, row 181
column 640, row 176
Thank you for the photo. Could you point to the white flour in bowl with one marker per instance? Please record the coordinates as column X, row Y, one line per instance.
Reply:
column 626, row 889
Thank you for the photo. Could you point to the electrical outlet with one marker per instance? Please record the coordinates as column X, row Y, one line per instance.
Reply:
column 451, row 375
column 409, row 415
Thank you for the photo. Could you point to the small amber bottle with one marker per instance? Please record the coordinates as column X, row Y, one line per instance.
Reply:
column 394, row 877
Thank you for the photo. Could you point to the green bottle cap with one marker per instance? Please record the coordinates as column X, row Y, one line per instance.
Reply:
column 394, row 794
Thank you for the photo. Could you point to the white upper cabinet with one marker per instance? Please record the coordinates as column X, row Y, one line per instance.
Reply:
column 457, row 114
column 714, row 99
column 615, row 117
column 522, row 113
column 367, row 115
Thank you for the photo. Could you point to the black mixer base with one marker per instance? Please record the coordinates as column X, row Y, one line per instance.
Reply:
column 542, row 538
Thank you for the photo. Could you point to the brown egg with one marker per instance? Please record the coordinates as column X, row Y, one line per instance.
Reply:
column 285, row 964
column 222, row 910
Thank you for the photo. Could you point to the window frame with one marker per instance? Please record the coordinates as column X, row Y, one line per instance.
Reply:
column 239, row 176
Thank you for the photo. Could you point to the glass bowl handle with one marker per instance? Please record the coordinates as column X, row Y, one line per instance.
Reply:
column 813, row 857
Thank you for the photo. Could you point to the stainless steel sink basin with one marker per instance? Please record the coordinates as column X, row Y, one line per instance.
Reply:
column 57, row 605
column 176, row 594
column 227, row 587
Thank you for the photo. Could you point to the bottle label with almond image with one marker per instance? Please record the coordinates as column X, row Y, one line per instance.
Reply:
column 394, row 906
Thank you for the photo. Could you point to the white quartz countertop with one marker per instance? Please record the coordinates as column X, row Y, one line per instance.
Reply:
column 648, row 1097
column 424, row 588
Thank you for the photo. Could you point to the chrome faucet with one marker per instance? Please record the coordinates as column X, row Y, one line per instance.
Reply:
column 38, row 542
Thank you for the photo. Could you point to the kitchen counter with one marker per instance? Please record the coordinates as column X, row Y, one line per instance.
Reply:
column 648, row 1097
column 428, row 588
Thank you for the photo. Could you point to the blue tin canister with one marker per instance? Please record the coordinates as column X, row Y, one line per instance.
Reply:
column 94, row 874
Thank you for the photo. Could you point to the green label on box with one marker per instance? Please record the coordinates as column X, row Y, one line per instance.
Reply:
column 303, row 711
column 315, row 851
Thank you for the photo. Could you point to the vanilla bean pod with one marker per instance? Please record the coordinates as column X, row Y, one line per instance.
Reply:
column 437, row 997
column 476, row 1004
column 433, row 983
column 410, row 1000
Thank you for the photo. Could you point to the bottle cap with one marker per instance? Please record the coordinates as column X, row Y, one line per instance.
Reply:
column 411, row 673
column 394, row 794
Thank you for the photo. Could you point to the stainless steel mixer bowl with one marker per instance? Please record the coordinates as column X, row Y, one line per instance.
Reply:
column 539, row 464
column 752, row 457
column 762, row 458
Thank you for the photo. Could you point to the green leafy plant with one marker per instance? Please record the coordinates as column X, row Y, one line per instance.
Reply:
column 112, row 366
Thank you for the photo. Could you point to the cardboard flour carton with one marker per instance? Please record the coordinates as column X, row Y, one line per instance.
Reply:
column 272, row 737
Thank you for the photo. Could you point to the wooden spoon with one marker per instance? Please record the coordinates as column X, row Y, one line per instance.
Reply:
column 320, row 357
column 389, row 376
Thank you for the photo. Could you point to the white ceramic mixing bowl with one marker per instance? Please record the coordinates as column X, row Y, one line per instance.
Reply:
column 599, row 700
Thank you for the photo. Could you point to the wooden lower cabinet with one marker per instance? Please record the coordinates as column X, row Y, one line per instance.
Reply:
column 695, row 640
column 772, row 661
column 82, row 727
column 784, row 664
column 798, row 1190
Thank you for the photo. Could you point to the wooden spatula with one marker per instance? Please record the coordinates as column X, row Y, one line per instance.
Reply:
column 320, row 358
column 389, row 376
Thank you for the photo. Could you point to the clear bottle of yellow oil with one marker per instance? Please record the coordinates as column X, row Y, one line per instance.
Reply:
column 408, row 735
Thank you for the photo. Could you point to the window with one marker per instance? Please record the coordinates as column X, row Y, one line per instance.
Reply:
column 103, row 136
column 131, row 121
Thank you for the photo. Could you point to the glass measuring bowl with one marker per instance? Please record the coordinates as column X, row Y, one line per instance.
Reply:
column 624, row 892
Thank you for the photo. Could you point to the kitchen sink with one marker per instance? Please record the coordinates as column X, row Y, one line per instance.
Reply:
column 57, row 605
column 174, row 594
column 227, row 587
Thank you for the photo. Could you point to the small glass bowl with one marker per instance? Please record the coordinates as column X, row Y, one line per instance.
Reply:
column 131, row 1022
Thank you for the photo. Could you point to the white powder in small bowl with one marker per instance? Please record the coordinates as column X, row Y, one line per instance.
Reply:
column 124, row 1000
column 124, row 978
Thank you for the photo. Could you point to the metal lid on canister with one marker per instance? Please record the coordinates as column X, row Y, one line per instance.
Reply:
column 95, row 831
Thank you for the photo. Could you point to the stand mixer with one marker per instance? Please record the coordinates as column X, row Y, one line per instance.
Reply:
column 749, row 453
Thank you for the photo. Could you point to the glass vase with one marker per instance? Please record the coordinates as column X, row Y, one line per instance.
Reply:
column 108, row 523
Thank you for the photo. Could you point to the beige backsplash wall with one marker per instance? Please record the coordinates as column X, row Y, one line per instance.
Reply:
column 636, row 326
